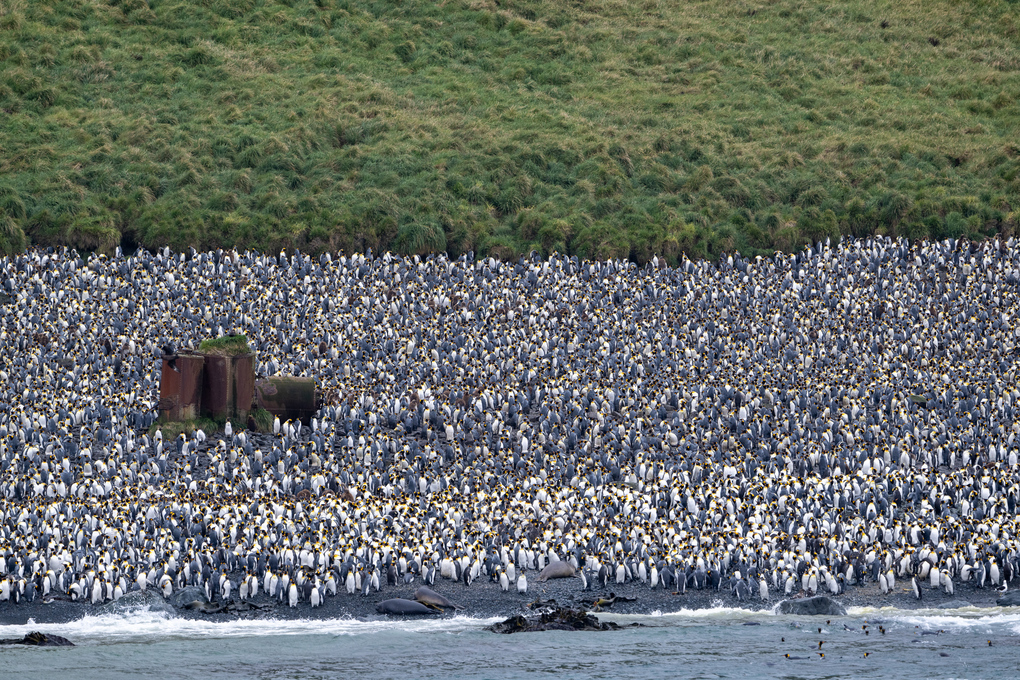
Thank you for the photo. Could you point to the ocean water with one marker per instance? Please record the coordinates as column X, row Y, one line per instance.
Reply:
column 713, row 643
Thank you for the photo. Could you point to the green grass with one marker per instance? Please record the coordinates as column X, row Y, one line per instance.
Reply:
column 227, row 345
column 263, row 420
column 592, row 127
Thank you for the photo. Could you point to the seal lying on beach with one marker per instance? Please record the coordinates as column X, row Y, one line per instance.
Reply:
column 427, row 596
column 557, row 569
column 404, row 607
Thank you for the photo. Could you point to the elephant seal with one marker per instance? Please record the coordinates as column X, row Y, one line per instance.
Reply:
column 427, row 596
column 557, row 569
column 404, row 607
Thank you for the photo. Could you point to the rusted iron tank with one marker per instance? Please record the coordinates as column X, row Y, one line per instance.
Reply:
column 180, row 387
column 228, row 388
column 287, row 397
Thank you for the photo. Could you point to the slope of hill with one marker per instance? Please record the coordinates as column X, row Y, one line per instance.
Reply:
column 595, row 127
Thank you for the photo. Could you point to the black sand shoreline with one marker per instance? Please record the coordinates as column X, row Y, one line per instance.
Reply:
column 485, row 600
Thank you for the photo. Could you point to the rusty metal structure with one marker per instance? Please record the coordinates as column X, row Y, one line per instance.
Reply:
column 223, row 388
column 228, row 388
column 180, row 388
column 287, row 397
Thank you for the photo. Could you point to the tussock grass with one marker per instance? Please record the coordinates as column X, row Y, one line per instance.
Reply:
column 263, row 420
column 227, row 345
column 602, row 128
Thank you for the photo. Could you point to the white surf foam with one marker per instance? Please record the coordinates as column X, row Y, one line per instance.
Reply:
column 142, row 625
column 717, row 614
column 926, row 618
column 960, row 619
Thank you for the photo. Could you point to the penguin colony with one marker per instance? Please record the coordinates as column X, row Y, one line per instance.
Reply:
column 846, row 416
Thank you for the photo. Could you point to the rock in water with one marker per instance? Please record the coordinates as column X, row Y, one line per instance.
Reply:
column 1010, row 599
column 555, row 619
column 38, row 639
column 557, row 569
column 812, row 606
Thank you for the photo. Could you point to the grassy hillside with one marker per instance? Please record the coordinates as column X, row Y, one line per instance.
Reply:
column 595, row 127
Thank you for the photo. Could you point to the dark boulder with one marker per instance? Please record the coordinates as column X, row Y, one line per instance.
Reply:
column 553, row 619
column 188, row 596
column 820, row 605
column 40, row 640
column 1010, row 599
column 193, row 599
